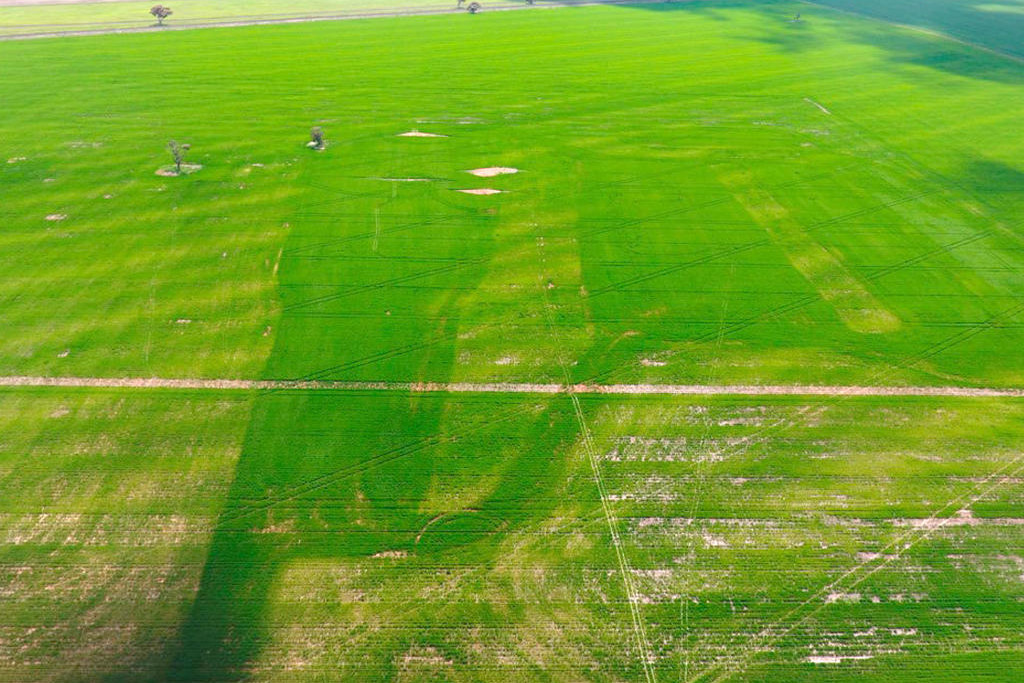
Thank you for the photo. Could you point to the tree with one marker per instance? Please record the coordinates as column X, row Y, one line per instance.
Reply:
column 178, row 152
column 316, row 138
column 461, row 3
column 161, row 13
column 474, row 7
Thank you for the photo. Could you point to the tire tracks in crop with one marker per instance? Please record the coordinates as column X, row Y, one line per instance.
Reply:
column 586, row 442
column 318, row 483
column 766, row 241
column 861, row 572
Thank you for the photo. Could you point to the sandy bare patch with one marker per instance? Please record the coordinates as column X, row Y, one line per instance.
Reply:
column 962, row 518
column 425, row 656
column 871, row 557
column 834, row 659
column 420, row 134
column 14, row 160
column 492, row 171
column 713, row 541
column 391, row 554
column 405, row 180
column 171, row 172
column 56, row 216
column 652, row 363
column 481, row 191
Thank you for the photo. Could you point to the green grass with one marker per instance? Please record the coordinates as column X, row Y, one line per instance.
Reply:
column 709, row 193
column 463, row 538
column 643, row 210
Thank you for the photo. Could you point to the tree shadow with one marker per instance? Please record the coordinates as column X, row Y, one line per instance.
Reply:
column 985, row 175
column 325, row 476
column 977, row 21
column 781, row 30
column 341, row 476
column 903, row 47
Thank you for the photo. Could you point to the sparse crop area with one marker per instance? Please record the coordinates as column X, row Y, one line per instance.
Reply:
column 334, row 361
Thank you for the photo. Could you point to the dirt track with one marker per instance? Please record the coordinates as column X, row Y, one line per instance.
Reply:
column 505, row 387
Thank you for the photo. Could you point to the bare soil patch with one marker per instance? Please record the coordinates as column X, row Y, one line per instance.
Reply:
column 172, row 172
column 420, row 134
column 481, row 191
column 492, row 171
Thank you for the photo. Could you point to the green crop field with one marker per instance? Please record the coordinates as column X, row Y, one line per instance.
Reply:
column 706, row 193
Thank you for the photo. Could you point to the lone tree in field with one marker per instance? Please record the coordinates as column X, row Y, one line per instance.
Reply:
column 178, row 152
column 316, row 138
column 161, row 13
column 474, row 7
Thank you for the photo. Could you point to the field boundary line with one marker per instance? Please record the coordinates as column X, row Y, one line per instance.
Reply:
column 507, row 387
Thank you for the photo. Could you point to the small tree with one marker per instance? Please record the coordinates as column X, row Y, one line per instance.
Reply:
column 316, row 138
column 474, row 7
column 178, row 152
column 161, row 13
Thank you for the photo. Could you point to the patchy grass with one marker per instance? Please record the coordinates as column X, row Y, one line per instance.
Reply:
column 709, row 194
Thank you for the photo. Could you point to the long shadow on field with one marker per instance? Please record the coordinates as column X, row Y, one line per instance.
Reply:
column 985, row 175
column 985, row 23
column 905, row 47
column 338, row 477
column 330, row 476
column 815, row 27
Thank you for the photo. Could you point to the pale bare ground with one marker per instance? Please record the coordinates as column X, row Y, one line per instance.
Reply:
column 492, row 171
column 420, row 134
column 23, row 3
column 61, row 32
column 505, row 387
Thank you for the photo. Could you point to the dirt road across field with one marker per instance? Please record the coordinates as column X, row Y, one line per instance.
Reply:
column 505, row 387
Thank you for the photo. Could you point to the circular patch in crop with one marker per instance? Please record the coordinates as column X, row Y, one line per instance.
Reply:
column 457, row 529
